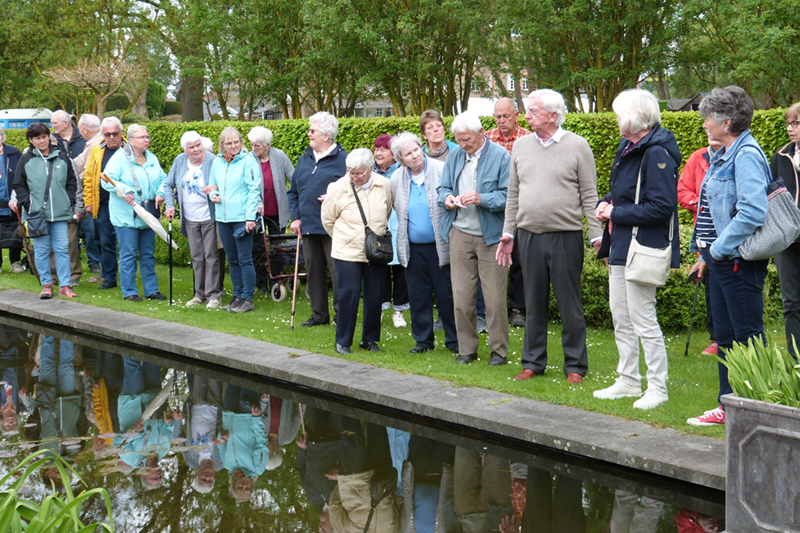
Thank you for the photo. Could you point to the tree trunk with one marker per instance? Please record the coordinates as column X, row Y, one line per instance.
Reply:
column 191, row 99
column 99, row 105
column 140, row 104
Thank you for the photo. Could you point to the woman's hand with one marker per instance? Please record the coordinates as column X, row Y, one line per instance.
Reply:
column 249, row 226
column 296, row 226
column 129, row 199
column 216, row 199
column 700, row 267
column 169, row 213
column 14, row 206
column 598, row 211
column 605, row 214
column 260, row 210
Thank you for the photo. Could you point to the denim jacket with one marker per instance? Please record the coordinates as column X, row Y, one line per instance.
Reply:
column 735, row 185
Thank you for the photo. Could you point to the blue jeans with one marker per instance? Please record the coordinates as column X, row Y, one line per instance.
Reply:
column 59, row 240
column 737, row 304
column 63, row 376
column 131, row 241
column 139, row 376
column 91, row 239
column 240, row 258
column 108, row 244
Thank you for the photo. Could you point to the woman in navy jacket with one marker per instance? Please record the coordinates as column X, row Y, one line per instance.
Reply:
column 9, row 157
column 648, row 148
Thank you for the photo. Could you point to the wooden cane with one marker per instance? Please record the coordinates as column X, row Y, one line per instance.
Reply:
column 294, row 285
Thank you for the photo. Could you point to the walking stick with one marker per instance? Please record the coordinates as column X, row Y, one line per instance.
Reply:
column 694, row 306
column 294, row 285
column 170, row 262
column 302, row 418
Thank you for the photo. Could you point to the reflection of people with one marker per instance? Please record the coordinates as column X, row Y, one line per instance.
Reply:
column 57, row 396
column 205, row 401
column 549, row 509
column 282, row 418
column 482, row 486
column 634, row 514
column 243, row 440
column 319, row 451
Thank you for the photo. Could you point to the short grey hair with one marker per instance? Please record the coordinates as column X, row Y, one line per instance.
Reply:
column 326, row 123
column 111, row 121
column 401, row 142
column 467, row 121
column 2, row 136
column 60, row 115
column 552, row 101
column 135, row 128
column 260, row 134
column 227, row 132
column 637, row 109
column 359, row 158
column 208, row 144
column 511, row 101
column 190, row 137
column 732, row 103
column 90, row 121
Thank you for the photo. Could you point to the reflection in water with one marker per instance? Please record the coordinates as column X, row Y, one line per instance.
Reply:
column 182, row 451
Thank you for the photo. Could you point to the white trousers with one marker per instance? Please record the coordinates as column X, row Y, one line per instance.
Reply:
column 633, row 308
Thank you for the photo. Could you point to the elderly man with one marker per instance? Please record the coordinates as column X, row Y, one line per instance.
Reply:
column 89, row 128
column 185, row 182
column 96, row 198
column 473, row 189
column 322, row 163
column 69, row 138
column 505, row 134
column 557, row 166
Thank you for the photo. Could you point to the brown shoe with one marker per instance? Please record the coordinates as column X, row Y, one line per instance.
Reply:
column 574, row 377
column 96, row 279
column 525, row 374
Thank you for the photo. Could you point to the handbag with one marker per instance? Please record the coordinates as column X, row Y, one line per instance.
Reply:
column 378, row 248
column 780, row 229
column 646, row 265
column 38, row 225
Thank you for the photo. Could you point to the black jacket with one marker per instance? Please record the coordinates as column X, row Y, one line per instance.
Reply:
column 11, row 159
column 310, row 181
column 658, row 197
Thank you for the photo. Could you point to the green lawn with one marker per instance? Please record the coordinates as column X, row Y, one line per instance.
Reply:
column 692, row 380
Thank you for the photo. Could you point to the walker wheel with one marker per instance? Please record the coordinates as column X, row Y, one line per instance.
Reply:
column 278, row 292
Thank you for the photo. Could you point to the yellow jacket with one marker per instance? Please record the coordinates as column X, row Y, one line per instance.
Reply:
column 91, row 178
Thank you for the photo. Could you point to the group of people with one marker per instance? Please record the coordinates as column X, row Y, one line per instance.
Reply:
column 460, row 215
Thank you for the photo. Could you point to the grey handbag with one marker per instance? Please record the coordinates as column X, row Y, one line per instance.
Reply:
column 780, row 229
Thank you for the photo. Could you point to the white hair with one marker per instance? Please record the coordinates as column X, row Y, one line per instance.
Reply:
column 90, row 121
column 60, row 115
column 2, row 136
column 326, row 124
column 637, row 109
column 134, row 128
column 260, row 134
column 200, row 487
column 208, row 144
column 190, row 137
column 510, row 101
column 552, row 101
column 467, row 121
column 275, row 460
column 359, row 158
column 111, row 121
column 401, row 142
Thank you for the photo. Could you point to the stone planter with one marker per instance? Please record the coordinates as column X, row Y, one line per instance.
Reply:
column 763, row 480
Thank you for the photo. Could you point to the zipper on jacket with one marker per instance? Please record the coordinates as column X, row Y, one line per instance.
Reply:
column 225, row 204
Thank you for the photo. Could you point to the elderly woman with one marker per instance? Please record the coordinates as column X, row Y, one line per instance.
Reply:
column 9, row 157
column 136, row 170
column 785, row 165
column 45, row 180
column 424, row 254
column 276, row 171
column 650, row 153
column 321, row 164
column 341, row 218
column 234, row 188
column 432, row 127
column 189, row 175
column 733, row 204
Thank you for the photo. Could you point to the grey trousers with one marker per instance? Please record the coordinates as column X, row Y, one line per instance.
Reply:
column 317, row 253
column 205, row 258
column 553, row 259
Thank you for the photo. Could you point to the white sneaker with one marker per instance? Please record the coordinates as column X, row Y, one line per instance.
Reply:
column 651, row 399
column 16, row 267
column 194, row 301
column 620, row 389
column 214, row 303
column 399, row 321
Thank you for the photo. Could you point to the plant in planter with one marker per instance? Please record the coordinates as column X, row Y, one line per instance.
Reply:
column 763, row 439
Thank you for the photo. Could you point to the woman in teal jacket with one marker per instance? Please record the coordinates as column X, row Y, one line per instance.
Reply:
column 234, row 187
column 138, row 173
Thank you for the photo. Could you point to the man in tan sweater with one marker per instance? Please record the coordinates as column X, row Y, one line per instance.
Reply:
column 552, row 183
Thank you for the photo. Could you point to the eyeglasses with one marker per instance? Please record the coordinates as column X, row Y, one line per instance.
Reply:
column 232, row 143
column 145, row 137
column 354, row 174
column 793, row 124
column 112, row 134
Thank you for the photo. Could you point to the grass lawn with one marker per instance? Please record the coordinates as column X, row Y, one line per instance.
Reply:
column 692, row 380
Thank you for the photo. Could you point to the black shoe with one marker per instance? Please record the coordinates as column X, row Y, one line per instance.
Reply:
column 453, row 349
column 95, row 268
column 334, row 319
column 467, row 358
column 107, row 285
column 369, row 346
column 133, row 298
column 342, row 349
column 420, row 348
column 516, row 320
column 233, row 303
column 311, row 322
column 156, row 296
column 244, row 306
column 497, row 359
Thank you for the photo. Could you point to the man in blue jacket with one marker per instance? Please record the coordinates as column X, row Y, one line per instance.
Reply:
column 473, row 190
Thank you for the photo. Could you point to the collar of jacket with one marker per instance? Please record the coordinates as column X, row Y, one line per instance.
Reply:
column 310, row 151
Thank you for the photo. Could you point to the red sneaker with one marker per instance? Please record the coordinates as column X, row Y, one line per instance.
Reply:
column 67, row 291
column 709, row 418
column 47, row 292
column 712, row 349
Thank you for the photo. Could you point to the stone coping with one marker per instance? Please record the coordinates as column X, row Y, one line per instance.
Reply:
column 662, row 451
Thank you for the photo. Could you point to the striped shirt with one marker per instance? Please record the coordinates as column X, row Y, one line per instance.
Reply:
column 705, row 232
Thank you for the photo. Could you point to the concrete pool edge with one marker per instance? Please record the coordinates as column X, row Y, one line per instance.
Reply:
column 663, row 451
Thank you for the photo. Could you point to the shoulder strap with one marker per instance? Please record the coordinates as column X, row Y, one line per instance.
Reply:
column 133, row 174
column 49, row 172
column 635, row 230
column 361, row 210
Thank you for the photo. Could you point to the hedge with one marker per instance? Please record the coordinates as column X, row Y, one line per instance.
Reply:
column 674, row 301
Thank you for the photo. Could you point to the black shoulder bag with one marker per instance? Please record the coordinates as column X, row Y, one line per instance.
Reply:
column 378, row 249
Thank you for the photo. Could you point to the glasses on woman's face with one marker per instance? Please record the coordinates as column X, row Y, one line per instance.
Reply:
column 792, row 124
column 231, row 144
column 359, row 175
